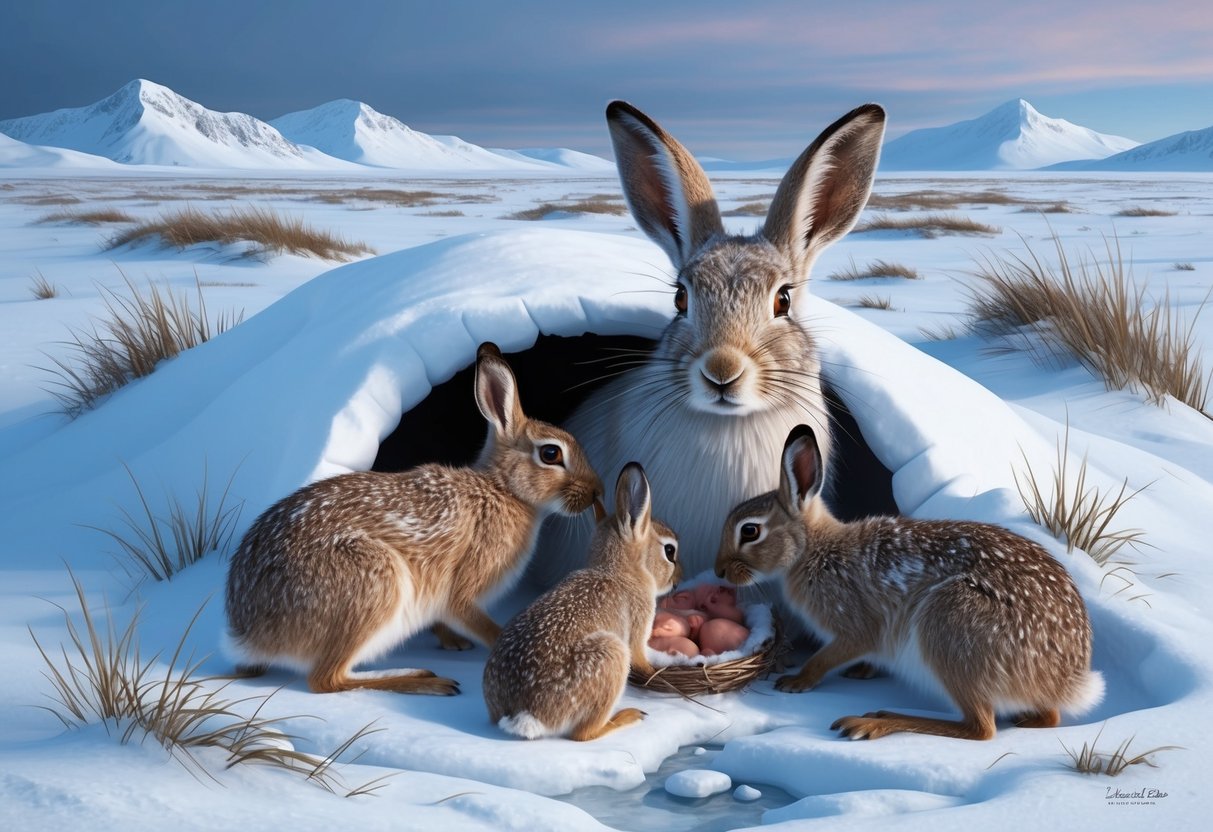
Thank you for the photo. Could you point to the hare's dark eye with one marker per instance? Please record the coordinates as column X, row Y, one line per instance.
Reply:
column 551, row 455
column 783, row 301
column 680, row 299
column 750, row 532
column 671, row 552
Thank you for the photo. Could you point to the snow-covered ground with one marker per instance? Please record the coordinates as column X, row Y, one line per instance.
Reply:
column 328, row 356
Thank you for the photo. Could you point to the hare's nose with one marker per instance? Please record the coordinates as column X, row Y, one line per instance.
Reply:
column 721, row 370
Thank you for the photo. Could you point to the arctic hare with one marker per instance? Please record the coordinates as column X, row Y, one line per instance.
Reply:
column 973, row 610
column 737, row 366
column 346, row 568
column 561, row 665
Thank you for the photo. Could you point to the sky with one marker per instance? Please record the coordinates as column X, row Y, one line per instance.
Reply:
column 737, row 80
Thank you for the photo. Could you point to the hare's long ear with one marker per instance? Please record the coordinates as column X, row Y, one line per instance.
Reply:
column 666, row 189
column 800, row 474
column 821, row 195
column 633, row 501
column 497, row 392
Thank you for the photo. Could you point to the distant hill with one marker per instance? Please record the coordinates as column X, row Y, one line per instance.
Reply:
column 148, row 124
column 1188, row 151
column 17, row 154
column 353, row 131
column 1013, row 136
column 145, row 123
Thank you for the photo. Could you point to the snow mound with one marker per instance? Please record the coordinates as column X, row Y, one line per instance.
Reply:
column 1013, row 136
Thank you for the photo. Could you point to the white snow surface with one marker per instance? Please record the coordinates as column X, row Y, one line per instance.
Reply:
column 698, row 782
column 21, row 156
column 1012, row 136
column 328, row 358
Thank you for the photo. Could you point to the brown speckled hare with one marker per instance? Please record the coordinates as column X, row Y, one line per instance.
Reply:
column 561, row 665
column 346, row 568
column 971, row 610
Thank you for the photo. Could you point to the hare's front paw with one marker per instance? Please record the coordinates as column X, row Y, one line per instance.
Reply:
column 793, row 683
column 867, row 727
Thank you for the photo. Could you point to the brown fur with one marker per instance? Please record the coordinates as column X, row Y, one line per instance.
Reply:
column 990, row 616
column 737, row 367
column 346, row 568
column 561, row 665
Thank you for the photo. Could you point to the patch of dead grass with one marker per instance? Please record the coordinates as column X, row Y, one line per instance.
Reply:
column 138, row 332
column 876, row 268
column 598, row 204
column 95, row 216
column 263, row 227
column 1139, row 211
column 927, row 225
column 1097, row 314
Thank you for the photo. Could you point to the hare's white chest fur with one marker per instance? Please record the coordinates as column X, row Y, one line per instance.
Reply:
column 700, row 464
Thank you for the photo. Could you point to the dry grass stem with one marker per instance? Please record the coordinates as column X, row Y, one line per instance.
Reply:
column 1090, row 761
column 43, row 289
column 1097, row 314
column 160, row 546
column 264, row 227
column 138, row 333
column 101, row 677
column 873, row 302
column 927, row 225
column 1072, row 511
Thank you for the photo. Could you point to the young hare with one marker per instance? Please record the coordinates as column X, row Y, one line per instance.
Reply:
column 562, row 664
column 344, row 569
column 983, row 615
column 737, row 366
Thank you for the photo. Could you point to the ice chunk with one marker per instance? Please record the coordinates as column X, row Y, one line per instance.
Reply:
column 698, row 782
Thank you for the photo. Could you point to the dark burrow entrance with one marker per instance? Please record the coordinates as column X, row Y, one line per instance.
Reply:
column 556, row 375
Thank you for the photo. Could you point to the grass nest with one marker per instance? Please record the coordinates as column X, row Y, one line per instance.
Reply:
column 698, row 679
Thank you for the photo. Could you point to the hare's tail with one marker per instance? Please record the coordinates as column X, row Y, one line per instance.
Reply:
column 1088, row 694
column 523, row 724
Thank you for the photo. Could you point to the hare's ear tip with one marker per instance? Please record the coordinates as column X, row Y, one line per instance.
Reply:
column 871, row 110
column 617, row 105
column 800, row 432
column 488, row 349
column 632, row 469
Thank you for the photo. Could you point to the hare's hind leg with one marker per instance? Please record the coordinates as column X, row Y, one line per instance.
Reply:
column 603, row 672
column 1044, row 718
column 367, row 619
column 977, row 724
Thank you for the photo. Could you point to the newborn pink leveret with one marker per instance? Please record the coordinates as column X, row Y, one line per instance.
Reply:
column 704, row 620
column 675, row 632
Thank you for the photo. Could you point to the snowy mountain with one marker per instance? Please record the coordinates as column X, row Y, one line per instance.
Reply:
column 1191, row 150
column 15, row 154
column 1013, row 136
column 356, row 132
column 148, row 124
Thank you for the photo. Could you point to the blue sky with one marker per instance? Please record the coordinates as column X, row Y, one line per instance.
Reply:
column 732, row 79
